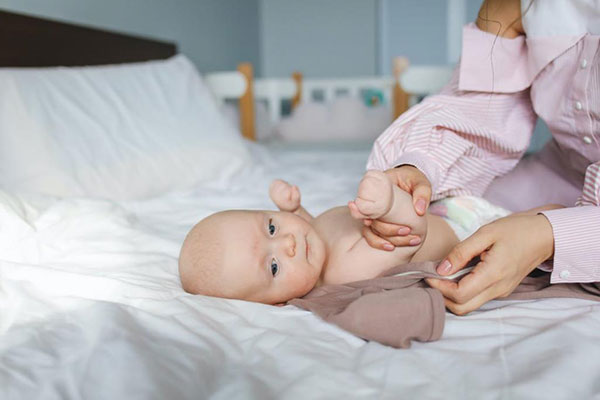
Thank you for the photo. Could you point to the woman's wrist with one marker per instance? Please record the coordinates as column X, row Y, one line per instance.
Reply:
column 546, row 235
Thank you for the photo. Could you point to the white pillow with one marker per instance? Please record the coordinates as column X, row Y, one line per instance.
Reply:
column 120, row 131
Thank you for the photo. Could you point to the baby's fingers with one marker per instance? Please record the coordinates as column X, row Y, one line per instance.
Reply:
column 370, row 209
column 295, row 194
column 355, row 212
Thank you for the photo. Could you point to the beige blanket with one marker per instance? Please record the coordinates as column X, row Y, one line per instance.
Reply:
column 396, row 309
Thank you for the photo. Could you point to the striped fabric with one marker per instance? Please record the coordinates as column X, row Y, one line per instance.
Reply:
column 463, row 139
column 591, row 187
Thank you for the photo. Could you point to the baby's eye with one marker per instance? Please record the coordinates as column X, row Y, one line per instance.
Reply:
column 274, row 267
column 271, row 227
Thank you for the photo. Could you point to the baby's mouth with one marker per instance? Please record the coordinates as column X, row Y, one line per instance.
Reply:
column 307, row 246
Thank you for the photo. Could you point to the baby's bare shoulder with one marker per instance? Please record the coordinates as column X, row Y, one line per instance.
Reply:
column 338, row 228
column 350, row 258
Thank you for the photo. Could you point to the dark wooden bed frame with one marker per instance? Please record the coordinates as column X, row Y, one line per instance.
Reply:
column 27, row 41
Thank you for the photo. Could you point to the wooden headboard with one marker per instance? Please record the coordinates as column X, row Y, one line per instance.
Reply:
column 27, row 41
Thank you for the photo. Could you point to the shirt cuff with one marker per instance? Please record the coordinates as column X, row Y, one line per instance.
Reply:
column 423, row 163
column 576, row 246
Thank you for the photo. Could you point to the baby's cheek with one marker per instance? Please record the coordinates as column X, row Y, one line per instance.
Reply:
column 309, row 281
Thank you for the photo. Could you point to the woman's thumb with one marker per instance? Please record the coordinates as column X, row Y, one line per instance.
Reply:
column 421, row 197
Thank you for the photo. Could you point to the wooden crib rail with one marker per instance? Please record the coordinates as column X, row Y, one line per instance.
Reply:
column 425, row 79
column 273, row 91
column 226, row 85
column 401, row 90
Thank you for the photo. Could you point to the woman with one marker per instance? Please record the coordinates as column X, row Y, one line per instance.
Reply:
column 519, row 62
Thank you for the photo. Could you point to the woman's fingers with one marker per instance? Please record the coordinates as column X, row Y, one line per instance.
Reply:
column 375, row 241
column 388, row 243
column 386, row 229
column 421, row 195
column 470, row 286
column 473, row 304
column 410, row 179
column 465, row 251
column 403, row 241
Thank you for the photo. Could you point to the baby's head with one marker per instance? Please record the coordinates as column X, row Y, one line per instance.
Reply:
column 263, row 256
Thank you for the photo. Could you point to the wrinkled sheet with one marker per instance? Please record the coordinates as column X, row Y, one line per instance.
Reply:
column 91, row 307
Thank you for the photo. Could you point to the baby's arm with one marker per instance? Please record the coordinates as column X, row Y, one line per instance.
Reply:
column 287, row 198
column 379, row 198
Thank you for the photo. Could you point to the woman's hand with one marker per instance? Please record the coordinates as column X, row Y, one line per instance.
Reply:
column 386, row 236
column 509, row 248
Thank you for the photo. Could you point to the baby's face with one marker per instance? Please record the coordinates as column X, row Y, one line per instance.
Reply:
column 270, row 256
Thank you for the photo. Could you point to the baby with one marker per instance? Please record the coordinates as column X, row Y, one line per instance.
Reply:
column 274, row 256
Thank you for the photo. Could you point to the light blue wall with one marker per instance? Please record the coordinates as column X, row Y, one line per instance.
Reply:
column 214, row 34
column 472, row 9
column 320, row 38
column 327, row 38
column 417, row 30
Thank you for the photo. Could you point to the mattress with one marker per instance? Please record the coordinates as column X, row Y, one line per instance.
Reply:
column 91, row 307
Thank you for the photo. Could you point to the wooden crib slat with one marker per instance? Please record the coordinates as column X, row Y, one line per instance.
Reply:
column 246, row 103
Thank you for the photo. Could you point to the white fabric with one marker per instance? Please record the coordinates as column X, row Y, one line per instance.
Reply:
column 560, row 17
column 118, row 131
column 466, row 214
column 91, row 308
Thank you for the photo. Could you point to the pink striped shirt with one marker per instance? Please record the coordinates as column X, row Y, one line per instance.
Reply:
column 479, row 126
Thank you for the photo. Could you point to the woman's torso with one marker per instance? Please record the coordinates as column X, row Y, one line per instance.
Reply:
column 565, row 94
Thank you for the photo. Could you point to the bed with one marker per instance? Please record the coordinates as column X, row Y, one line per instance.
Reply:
column 92, row 307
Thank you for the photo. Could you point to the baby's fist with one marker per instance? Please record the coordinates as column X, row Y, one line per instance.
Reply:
column 374, row 198
column 285, row 196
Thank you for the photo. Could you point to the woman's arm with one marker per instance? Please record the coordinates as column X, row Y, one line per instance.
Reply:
column 513, row 246
column 459, row 140
column 576, row 233
column 475, row 130
column 480, row 124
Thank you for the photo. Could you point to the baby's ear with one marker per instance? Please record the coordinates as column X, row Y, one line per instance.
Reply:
column 279, row 304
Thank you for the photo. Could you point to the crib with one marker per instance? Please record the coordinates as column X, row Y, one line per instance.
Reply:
column 406, row 87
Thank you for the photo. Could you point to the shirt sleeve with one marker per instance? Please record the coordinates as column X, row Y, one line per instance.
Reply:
column 576, row 232
column 461, row 140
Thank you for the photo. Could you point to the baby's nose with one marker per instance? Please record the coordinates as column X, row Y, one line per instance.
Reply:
column 290, row 245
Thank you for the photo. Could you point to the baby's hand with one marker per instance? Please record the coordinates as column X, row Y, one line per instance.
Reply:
column 285, row 196
column 375, row 196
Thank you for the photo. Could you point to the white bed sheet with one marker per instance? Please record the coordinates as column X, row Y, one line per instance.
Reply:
column 91, row 308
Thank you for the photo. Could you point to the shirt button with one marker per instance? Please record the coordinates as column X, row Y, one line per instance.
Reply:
column 578, row 105
column 565, row 274
column 583, row 63
column 587, row 139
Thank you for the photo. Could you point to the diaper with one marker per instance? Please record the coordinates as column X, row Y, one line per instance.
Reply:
column 465, row 214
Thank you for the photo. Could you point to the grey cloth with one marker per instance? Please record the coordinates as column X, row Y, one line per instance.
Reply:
column 394, row 310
